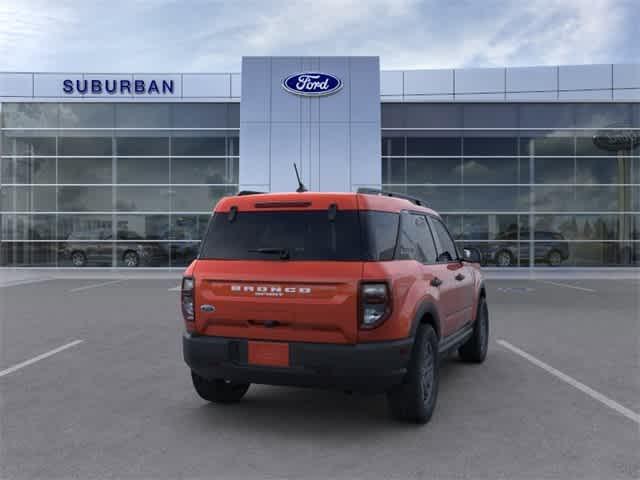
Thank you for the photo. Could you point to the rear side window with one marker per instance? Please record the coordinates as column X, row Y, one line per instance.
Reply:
column 415, row 241
column 447, row 251
column 379, row 233
column 309, row 235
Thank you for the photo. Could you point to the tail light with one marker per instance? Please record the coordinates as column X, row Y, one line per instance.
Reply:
column 187, row 299
column 375, row 304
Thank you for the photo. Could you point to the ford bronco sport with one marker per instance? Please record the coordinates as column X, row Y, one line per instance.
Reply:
column 359, row 291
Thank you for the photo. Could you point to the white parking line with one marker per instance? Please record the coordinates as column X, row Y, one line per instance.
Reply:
column 24, row 282
column 568, row 286
column 39, row 357
column 95, row 285
column 175, row 289
column 612, row 404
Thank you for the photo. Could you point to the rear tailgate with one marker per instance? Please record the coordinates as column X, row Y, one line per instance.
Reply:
column 301, row 301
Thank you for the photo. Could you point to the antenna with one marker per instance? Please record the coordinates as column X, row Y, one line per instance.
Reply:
column 301, row 187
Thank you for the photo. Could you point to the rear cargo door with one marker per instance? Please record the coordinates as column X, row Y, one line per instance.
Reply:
column 283, row 300
column 281, row 274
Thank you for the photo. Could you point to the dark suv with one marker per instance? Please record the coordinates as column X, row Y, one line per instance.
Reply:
column 550, row 248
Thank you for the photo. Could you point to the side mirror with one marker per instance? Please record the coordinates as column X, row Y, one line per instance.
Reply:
column 472, row 255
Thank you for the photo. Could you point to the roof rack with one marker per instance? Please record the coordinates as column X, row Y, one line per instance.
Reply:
column 375, row 191
column 242, row 193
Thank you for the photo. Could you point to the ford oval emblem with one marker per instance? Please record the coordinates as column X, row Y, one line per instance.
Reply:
column 312, row 84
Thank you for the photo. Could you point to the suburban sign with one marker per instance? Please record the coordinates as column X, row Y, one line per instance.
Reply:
column 312, row 84
column 101, row 86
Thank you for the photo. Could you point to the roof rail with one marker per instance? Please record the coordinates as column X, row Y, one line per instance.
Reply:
column 242, row 193
column 375, row 191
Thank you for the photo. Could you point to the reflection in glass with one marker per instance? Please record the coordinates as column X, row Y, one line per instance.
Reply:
column 17, row 143
column 84, row 199
column 192, row 146
column 28, row 170
column 198, row 199
column 144, row 199
column 27, row 199
column 142, row 170
column 85, row 146
column 26, row 254
column 84, row 170
column 148, row 227
column 204, row 170
column 84, row 227
column 434, row 170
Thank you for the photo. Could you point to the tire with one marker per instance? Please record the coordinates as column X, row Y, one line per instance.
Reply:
column 415, row 399
column 504, row 258
column 554, row 258
column 475, row 349
column 218, row 390
column 130, row 259
column 78, row 259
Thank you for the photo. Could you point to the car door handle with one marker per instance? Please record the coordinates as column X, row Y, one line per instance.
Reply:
column 459, row 277
column 436, row 282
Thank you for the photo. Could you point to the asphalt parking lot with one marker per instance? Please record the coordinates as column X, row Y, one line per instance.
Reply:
column 114, row 399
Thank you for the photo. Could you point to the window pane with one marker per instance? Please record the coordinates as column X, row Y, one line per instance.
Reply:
column 188, row 227
column 379, row 231
column 199, row 146
column 201, row 115
column 490, row 170
column 547, row 146
column 476, row 227
column 489, row 146
column 603, row 170
column 198, row 199
column 143, row 199
column 25, row 254
column 183, row 253
column 93, row 115
column 28, row 170
column 442, row 199
column 30, row 115
column 393, row 146
column 141, row 254
column 434, row 170
column 394, row 170
column 414, row 239
column 147, row 146
column 554, row 170
column 150, row 115
column 89, row 146
column 454, row 225
column 84, row 199
column 434, row 146
column 142, row 227
column 203, row 170
column 27, row 199
column 588, row 227
column 500, row 254
column 447, row 250
column 85, row 227
column 496, row 198
column 553, row 198
column 78, row 253
column 143, row 170
column 15, row 144
column 28, row 227
column 84, row 170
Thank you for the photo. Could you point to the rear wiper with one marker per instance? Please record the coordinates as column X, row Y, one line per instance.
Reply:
column 283, row 252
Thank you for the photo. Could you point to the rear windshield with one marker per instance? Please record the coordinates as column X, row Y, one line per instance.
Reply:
column 309, row 235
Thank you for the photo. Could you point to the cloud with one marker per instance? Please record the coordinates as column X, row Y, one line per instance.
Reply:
column 201, row 35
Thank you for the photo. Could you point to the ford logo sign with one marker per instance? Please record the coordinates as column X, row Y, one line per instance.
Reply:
column 312, row 84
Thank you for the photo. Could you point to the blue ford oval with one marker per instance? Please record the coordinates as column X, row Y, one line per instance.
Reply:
column 312, row 84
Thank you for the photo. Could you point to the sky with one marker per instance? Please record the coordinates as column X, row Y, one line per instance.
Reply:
column 164, row 36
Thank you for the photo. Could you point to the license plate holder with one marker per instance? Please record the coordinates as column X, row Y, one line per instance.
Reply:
column 268, row 354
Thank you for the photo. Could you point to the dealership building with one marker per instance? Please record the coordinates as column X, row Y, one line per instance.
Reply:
column 535, row 166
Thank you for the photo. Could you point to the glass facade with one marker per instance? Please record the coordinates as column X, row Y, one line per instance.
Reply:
column 527, row 184
column 131, row 184
column 112, row 184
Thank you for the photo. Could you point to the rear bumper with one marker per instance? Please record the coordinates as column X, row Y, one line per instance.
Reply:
column 364, row 367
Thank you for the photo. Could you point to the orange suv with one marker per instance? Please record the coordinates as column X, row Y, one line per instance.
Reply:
column 358, row 291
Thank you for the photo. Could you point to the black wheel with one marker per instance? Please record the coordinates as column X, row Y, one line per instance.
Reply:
column 218, row 390
column 415, row 399
column 504, row 258
column 554, row 258
column 130, row 259
column 78, row 259
column 475, row 349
